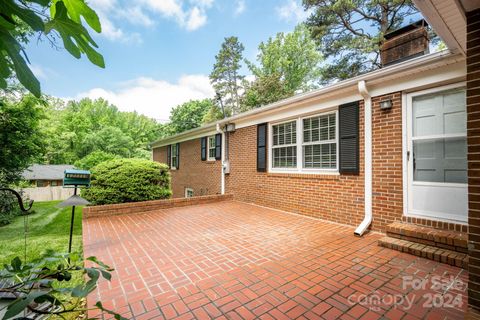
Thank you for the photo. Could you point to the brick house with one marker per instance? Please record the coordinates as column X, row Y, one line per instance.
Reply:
column 399, row 144
column 342, row 152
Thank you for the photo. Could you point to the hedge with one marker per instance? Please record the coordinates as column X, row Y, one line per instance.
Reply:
column 128, row 180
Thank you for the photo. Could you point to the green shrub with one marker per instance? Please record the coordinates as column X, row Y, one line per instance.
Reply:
column 94, row 158
column 128, row 180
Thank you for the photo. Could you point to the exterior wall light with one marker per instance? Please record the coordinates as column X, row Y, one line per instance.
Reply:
column 386, row 104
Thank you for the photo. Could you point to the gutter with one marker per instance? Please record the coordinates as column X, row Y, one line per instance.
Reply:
column 372, row 77
column 367, row 220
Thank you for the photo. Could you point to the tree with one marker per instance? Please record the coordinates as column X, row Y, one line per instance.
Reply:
column 77, row 129
column 189, row 115
column 287, row 63
column 350, row 32
column 20, row 136
column 54, row 274
column 225, row 76
column 62, row 18
column 213, row 114
column 264, row 90
column 94, row 158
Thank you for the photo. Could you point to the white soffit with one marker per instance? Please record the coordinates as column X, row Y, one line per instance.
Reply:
column 470, row 5
column 447, row 18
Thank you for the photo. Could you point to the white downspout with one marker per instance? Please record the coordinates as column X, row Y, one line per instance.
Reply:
column 367, row 220
column 222, row 179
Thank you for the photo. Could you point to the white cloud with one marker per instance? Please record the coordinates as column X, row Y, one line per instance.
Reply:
column 292, row 11
column 42, row 73
column 240, row 7
column 202, row 3
column 39, row 72
column 196, row 19
column 188, row 15
column 154, row 98
column 137, row 16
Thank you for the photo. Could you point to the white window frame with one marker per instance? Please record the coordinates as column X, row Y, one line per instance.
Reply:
column 187, row 190
column 271, row 146
column 299, row 144
column 209, row 147
column 173, row 155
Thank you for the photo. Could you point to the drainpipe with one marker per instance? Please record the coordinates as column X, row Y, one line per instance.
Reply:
column 367, row 220
column 222, row 179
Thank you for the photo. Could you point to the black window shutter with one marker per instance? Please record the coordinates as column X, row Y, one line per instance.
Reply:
column 218, row 146
column 178, row 156
column 349, row 138
column 169, row 156
column 203, row 152
column 262, row 147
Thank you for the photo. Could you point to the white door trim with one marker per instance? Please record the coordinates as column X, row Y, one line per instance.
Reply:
column 407, row 198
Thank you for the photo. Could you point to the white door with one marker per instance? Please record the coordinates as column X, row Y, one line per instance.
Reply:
column 437, row 155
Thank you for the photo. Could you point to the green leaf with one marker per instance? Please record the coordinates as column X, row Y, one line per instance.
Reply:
column 78, row 8
column 23, row 72
column 16, row 264
column 20, row 304
column 9, row 8
column 75, row 37
column 4, row 23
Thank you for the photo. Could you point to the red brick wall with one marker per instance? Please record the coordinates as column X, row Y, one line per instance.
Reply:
column 202, row 176
column 387, row 161
column 334, row 198
column 473, row 136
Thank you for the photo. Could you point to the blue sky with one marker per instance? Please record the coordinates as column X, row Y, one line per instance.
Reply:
column 159, row 52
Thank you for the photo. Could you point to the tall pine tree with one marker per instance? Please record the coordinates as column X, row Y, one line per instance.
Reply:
column 225, row 77
column 350, row 32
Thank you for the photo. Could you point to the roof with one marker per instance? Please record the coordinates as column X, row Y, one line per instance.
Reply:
column 46, row 171
column 377, row 78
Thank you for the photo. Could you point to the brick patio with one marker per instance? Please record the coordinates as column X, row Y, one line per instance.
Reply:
column 231, row 260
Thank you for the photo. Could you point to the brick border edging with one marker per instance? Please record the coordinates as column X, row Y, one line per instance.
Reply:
column 139, row 207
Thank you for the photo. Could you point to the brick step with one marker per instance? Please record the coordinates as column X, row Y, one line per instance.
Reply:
column 450, row 257
column 443, row 239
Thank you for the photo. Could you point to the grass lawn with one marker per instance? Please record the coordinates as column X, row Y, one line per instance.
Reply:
column 48, row 228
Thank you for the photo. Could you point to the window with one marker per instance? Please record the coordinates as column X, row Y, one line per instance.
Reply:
column 174, row 159
column 188, row 192
column 284, row 149
column 41, row 183
column 315, row 149
column 211, row 148
column 54, row 183
column 319, row 142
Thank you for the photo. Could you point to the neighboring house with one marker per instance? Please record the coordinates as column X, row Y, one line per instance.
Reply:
column 40, row 175
column 398, row 144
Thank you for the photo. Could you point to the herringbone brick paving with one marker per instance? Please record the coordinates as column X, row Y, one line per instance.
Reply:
column 231, row 260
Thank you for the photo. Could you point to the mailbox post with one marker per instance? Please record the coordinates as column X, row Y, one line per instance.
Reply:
column 73, row 179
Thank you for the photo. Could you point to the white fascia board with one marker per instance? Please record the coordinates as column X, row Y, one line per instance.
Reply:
column 332, row 95
column 196, row 133
column 316, row 105
column 446, row 74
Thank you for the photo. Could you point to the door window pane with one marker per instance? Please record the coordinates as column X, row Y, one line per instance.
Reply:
column 440, row 160
column 439, row 114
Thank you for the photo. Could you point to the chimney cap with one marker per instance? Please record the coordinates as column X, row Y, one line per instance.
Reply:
column 412, row 26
